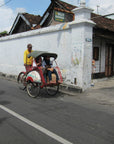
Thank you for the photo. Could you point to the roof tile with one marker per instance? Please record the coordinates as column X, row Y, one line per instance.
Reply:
column 102, row 22
column 33, row 19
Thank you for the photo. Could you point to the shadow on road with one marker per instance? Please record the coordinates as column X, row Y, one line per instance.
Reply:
column 3, row 119
column 44, row 94
column 4, row 102
column 2, row 92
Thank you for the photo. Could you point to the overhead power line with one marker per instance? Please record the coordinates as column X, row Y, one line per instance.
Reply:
column 5, row 3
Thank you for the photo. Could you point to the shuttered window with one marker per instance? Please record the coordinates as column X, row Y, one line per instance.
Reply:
column 96, row 53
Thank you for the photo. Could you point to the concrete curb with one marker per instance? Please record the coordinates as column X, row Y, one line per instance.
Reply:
column 8, row 77
column 64, row 88
column 70, row 89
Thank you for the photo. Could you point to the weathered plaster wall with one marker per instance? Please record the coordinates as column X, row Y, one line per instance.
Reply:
column 53, row 39
column 67, row 40
column 83, row 45
column 13, row 47
column 87, row 61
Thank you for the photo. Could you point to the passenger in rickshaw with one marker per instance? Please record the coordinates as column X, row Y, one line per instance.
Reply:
column 37, row 62
column 48, row 65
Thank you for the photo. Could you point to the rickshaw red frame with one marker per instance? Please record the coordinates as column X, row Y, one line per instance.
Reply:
column 28, row 80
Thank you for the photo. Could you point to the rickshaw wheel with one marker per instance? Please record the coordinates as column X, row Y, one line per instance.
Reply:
column 21, row 79
column 52, row 89
column 33, row 89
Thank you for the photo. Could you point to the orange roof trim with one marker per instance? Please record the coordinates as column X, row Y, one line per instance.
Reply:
column 58, row 9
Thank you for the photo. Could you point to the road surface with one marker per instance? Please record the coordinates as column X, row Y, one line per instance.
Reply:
column 52, row 120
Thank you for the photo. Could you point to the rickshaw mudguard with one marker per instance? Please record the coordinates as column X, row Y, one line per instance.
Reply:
column 33, row 76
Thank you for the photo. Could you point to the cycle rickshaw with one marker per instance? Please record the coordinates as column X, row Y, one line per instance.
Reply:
column 34, row 80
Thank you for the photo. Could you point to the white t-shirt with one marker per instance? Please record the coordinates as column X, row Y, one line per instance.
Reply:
column 44, row 63
column 34, row 63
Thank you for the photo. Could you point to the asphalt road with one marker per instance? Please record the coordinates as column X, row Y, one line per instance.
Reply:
column 52, row 120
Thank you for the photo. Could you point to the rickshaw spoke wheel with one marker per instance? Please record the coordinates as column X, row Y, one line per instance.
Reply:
column 21, row 79
column 33, row 89
column 52, row 89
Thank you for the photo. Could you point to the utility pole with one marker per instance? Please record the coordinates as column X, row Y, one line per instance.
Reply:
column 98, row 9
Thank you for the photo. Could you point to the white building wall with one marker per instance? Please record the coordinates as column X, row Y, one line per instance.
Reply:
column 87, row 61
column 67, row 40
column 12, row 47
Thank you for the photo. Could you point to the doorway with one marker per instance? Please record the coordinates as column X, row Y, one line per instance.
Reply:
column 109, row 60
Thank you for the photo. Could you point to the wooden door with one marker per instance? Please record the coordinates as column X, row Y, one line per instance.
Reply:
column 109, row 61
column 113, row 60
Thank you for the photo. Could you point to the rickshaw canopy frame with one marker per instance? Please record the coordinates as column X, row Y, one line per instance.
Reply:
column 37, row 54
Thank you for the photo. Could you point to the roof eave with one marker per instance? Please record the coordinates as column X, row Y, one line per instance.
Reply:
column 16, row 21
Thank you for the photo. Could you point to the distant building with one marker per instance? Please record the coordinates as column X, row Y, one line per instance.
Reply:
column 103, row 46
column 57, row 12
column 24, row 22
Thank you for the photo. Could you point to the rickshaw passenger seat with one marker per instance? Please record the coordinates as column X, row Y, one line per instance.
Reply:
column 53, row 78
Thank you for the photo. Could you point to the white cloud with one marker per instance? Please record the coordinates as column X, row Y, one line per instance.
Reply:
column 20, row 10
column 1, row 2
column 73, row 2
column 7, row 16
column 37, row 12
column 105, row 6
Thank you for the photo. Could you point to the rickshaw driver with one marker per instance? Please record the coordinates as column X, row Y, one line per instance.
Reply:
column 28, row 61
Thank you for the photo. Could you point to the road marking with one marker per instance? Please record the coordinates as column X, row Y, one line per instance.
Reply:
column 36, row 126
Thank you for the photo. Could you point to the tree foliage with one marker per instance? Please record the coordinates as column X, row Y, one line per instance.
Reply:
column 4, row 33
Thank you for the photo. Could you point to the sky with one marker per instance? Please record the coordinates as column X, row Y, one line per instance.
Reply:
column 10, row 8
